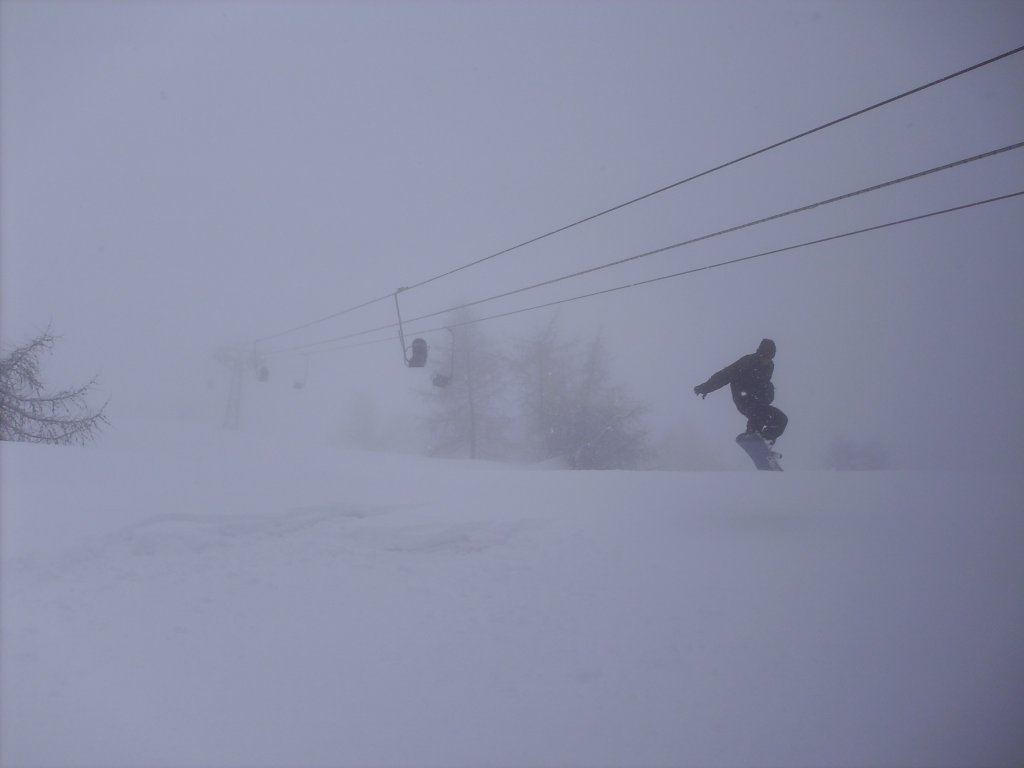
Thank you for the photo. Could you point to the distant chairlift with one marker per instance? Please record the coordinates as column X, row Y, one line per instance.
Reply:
column 418, row 359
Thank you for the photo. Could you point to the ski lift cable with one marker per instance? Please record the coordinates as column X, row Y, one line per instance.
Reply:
column 658, row 191
column 663, row 249
column 729, row 230
column 738, row 260
column 720, row 167
column 687, row 272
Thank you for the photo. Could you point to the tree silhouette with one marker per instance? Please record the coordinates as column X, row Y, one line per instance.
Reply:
column 467, row 414
column 29, row 415
column 572, row 410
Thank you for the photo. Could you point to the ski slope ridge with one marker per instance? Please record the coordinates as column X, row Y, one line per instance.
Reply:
column 193, row 598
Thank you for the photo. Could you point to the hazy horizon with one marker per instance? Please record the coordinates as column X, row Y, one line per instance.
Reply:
column 179, row 177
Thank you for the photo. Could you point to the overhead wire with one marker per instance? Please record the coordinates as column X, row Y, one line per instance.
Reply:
column 738, row 260
column 726, row 231
column 663, row 249
column 648, row 195
column 684, row 273
column 674, row 275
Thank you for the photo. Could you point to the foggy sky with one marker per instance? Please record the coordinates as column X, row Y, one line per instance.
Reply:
column 178, row 176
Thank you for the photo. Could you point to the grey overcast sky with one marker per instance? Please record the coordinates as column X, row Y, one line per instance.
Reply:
column 180, row 175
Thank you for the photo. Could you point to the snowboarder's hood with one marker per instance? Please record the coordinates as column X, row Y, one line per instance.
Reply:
column 766, row 348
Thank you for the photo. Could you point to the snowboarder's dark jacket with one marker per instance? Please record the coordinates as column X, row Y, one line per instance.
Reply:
column 751, row 380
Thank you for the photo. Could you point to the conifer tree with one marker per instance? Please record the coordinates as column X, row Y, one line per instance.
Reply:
column 29, row 414
column 571, row 409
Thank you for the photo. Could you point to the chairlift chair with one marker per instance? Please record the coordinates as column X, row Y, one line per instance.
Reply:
column 419, row 354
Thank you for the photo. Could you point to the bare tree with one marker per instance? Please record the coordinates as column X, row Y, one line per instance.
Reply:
column 467, row 407
column 29, row 415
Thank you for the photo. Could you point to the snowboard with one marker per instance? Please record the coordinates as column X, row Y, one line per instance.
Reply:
column 759, row 452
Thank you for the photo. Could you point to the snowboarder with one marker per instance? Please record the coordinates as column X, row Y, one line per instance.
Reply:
column 750, row 378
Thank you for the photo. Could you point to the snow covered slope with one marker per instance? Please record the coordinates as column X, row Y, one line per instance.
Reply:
column 188, row 598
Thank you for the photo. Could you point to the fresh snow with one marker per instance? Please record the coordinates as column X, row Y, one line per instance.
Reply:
column 175, row 596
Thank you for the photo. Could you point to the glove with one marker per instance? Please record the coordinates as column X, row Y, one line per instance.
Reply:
column 699, row 390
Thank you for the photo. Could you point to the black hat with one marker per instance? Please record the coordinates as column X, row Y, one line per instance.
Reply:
column 766, row 348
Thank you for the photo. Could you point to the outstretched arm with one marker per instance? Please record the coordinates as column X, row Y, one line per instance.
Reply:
column 717, row 381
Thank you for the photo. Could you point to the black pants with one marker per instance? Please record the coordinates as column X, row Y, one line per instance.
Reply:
column 767, row 420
